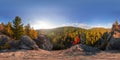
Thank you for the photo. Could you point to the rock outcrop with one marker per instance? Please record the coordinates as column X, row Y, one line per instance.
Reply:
column 27, row 43
column 4, row 42
column 44, row 43
column 113, row 44
column 87, row 48
column 14, row 44
column 81, row 49
column 114, row 39
column 103, row 41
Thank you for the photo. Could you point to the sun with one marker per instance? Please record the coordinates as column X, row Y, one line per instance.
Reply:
column 43, row 25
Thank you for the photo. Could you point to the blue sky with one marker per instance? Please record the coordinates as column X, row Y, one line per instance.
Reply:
column 45, row 14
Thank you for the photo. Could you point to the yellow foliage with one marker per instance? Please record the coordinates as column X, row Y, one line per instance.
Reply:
column 30, row 32
column 33, row 34
column 8, row 29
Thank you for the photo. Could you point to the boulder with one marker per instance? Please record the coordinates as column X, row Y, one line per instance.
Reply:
column 14, row 44
column 87, row 48
column 114, row 44
column 27, row 43
column 4, row 42
column 44, row 43
column 103, row 41
column 81, row 49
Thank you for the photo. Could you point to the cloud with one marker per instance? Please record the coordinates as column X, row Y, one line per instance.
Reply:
column 87, row 26
column 81, row 25
column 107, row 25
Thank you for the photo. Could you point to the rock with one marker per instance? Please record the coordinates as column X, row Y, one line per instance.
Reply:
column 14, row 44
column 103, row 41
column 4, row 42
column 102, row 44
column 3, row 39
column 114, row 44
column 76, row 48
column 87, row 48
column 27, row 43
column 44, row 43
column 80, row 49
column 114, row 40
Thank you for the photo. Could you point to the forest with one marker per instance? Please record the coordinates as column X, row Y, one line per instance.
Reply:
column 16, row 29
column 61, row 37
column 67, row 36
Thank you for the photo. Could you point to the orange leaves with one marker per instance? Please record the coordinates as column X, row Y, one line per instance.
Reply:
column 30, row 32
column 77, row 40
column 33, row 34
column 8, row 29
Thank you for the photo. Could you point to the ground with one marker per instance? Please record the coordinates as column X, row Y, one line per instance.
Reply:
column 57, row 55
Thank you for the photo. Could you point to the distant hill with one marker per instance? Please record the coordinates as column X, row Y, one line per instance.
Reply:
column 100, row 29
column 70, row 28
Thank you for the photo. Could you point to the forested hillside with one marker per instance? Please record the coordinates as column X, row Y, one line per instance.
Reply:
column 64, row 37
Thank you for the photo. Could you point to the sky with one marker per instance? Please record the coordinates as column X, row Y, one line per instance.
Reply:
column 47, row 14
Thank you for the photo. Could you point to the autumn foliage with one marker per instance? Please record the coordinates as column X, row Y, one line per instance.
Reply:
column 77, row 40
column 16, row 29
column 30, row 32
column 65, row 37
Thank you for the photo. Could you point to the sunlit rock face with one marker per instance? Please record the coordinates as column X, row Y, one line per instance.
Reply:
column 116, row 34
column 116, row 30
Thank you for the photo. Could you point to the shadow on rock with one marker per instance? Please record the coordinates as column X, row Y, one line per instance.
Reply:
column 82, row 49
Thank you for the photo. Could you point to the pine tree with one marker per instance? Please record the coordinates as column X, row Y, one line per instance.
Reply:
column 27, row 29
column 17, row 28
column 30, row 32
column 116, row 22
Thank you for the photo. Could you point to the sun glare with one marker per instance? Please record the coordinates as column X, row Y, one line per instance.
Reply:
column 43, row 25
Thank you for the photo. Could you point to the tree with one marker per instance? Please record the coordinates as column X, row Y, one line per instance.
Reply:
column 17, row 28
column 30, row 32
column 27, row 29
column 33, row 33
column 8, row 29
column 2, row 27
column 116, row 22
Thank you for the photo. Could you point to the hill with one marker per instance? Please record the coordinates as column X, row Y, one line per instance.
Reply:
column 62, row 37
column 70, row 28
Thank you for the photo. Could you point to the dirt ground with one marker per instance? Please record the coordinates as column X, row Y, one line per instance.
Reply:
column 58, row 55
